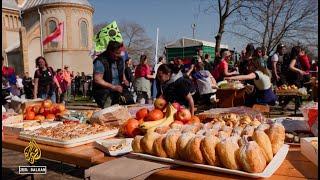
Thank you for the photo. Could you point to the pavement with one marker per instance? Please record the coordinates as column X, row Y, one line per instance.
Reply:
column 11, row 160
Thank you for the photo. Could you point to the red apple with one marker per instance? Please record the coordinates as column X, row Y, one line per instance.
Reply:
column 160, row 103
column 183, row 115
column 176, row 123
column 176, row 105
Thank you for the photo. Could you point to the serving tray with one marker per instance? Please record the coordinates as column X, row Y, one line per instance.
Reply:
column 69, row 143
column 102, row 146
column 268, row 171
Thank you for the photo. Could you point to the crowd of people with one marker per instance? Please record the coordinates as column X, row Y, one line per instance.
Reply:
column 60, row 86
column 116, row 80
column 196, row 81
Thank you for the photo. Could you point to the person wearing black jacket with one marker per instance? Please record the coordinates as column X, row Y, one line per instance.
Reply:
column 129, row 71
column 27, row 86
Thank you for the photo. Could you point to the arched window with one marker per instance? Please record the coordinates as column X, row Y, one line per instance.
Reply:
column 11, row 26
column 84, row 33
column 16, row 21
column 52, row 27
column 6, row 20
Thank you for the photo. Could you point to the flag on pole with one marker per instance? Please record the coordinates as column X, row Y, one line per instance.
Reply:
column 55, row 36
column 109, row 33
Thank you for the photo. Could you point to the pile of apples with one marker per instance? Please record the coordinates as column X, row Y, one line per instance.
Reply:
column 45, row 110
column 182, row 116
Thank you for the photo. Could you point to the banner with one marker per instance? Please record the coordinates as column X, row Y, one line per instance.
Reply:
column 109, row 33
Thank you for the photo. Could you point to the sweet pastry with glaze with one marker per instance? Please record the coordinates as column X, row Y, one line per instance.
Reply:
column 170, row 144
column 182, row 143
column 276, row 134
column 217, row 125
column 251, row 157
column 245, row 119
column 148, row 140
column 228, row 153
column 193, row 152
column 136, row 144
column 158, row 145
column 263, row 141
column 207, row 147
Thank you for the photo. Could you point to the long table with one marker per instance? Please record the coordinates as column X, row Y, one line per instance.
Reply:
column 295, row 166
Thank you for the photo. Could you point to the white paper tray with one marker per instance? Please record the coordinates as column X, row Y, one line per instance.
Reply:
column 268, row 171
column 308, row 150
column 69, row 143
column 99, row 145
column 17, row 128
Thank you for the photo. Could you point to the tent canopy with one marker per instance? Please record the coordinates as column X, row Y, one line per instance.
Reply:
column 188, row 42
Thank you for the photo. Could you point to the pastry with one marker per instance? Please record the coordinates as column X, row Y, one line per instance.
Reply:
column 136, row 144
column 182, row 143
column 170, row 144
column 222, row 135
column 162, row 130
column 207, row 147
column 248, row 130
column 218, row 125
column 212, row 132
column 190, row 128
column 148, row 140
column 201, row 132
column 158, row 145
column 263, row 127
column 227, row 129
column 276, row 134
column 193, row 152
column 263, row 141
column 251, row 157
column 237, row 131
column 227, row 152
column 245, row 119
column 208, row 125
column 255, row 123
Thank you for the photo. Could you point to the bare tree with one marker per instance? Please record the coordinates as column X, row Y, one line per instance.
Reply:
column 268, row 22
column 226, row 8
column 135, row 39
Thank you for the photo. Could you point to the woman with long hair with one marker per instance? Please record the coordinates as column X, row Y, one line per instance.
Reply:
column 262, row 82
column 45, row 82
column 296, row 73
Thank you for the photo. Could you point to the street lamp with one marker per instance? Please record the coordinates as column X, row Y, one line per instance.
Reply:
column 193, row 26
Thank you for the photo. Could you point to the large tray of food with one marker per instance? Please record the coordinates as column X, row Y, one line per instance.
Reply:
column 251, row 149
column 230, row 85
column 70, row 135
column 290, row 90
column 15, row 129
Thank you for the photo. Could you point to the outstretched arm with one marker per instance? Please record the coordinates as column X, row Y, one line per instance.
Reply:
column 242, row 77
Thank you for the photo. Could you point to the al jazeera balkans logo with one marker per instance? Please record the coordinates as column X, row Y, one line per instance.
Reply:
column 32, row 153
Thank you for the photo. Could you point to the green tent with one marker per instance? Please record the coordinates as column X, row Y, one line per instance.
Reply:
column 186, row 48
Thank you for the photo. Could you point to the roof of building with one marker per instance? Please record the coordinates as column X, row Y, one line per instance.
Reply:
column 34, row 3
column 188, row 42
column 10, row 4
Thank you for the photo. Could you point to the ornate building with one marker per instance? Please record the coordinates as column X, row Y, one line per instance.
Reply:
column 22, row 29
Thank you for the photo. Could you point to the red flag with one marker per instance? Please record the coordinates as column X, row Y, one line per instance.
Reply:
column 55, row 36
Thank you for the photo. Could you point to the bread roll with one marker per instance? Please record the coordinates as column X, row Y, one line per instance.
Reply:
column 148, row 140
column 182, row 143
column 162, row 130
column 158, row 145
column 190, row 128
column 136, row 144
column 276, row 134
column 251, row 157
column 170, row 144
column 218, row 125
column 227, row 129
column 212, row 132
column 222, row 135
column 227, row 151
column 208, row 125
column 255, row 123
column 263, row 141
column 207, row 147
column 263, row 127
column 237, row 131
column 248, row 130
column 193, row 152
column 176, row 126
